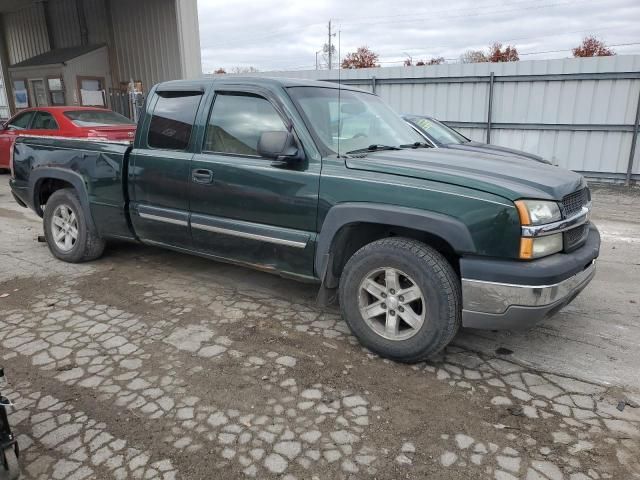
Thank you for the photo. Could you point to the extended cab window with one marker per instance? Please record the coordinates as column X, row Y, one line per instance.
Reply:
column 237, row 121
column 172, row 120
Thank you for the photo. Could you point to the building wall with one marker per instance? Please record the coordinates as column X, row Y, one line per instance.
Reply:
column 25, row 33
column 146, row 42
column 609, row 104
column 150, row 40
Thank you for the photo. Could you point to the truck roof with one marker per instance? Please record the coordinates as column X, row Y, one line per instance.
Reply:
column 203, row 83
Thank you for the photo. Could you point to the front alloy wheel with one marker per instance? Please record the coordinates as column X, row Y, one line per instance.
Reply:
column 392, row 304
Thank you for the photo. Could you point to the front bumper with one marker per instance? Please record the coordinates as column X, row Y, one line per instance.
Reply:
column 500, row 294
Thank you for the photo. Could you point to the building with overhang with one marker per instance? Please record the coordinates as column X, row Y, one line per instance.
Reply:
column 93, row 52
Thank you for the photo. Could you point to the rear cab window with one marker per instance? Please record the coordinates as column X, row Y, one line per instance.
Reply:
column 172, row 120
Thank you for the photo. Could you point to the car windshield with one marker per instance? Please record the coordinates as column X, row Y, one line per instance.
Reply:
column 439, row 131
column 96, row 118
column 347, row 120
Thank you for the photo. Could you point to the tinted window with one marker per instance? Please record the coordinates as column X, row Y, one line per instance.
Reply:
column 172, row 120
column 22, row 121
column 238, row 120
column 44, row 121
column 96, row 118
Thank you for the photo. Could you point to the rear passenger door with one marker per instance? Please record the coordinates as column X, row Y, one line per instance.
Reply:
column 245, row 207
column 159, row 169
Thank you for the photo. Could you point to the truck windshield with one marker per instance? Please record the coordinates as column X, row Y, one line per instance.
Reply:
column 349, row 120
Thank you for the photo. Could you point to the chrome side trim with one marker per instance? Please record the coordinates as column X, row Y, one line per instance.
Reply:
column 496, row 298
column 75, row 139
column 558, row 227
column 251, row 236
column 158, row 218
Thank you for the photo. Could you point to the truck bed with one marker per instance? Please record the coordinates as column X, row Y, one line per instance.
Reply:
column 97, row 170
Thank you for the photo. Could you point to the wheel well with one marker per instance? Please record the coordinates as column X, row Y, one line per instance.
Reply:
column 352, row 237
column 45, row 188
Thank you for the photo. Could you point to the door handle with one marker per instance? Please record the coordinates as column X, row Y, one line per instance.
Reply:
column 202, row 175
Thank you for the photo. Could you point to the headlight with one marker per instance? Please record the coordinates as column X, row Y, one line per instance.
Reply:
column 538, row 212
column 531, row 248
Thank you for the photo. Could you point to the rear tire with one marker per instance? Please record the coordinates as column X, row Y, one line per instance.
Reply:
column 415, row 308
column 66, row 230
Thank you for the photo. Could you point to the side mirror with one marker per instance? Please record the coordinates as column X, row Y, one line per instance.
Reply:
column 280, row 146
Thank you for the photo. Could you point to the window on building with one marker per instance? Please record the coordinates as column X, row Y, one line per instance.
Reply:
column 237, row 121
column 21, row 94
column 21, row 121
column 172, row 120
column 92, row 92
column 44, row 121
column 56, row 91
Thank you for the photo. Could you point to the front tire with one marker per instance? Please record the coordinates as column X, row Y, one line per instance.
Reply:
column 66, row 229
column 401, row 299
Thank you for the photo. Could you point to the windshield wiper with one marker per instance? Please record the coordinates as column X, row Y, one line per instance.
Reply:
column 416, row 145
column 373, row 148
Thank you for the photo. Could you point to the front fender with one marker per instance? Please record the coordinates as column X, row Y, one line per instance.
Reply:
column 451, row 230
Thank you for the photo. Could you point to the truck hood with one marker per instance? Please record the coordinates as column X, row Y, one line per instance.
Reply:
column 495, row 150
column 507, row 176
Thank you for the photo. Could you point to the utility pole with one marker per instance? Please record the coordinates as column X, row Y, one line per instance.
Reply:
column 329, row 44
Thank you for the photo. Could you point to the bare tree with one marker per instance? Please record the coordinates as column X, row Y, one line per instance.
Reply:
column 363, row 57
column 220, row 71
column 244, row 69
column 473, row 56
column 592, row 47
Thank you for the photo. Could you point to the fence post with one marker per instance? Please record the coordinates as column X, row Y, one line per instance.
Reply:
column 634, row 140
column 490, row 107
column 373, row 84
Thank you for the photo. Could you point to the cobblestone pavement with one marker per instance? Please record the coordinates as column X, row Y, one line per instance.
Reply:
column 153, row 365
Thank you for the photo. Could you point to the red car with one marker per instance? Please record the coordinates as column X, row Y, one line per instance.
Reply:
column 77, row 122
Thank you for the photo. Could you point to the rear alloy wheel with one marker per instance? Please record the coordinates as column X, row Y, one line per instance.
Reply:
column 64, row 226
column 401, row 298
column 68, row 234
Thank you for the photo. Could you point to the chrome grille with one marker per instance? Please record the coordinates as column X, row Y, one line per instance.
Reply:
column 573, row 203
column 575, row 237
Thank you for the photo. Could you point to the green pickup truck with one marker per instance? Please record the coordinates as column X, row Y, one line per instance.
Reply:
column 327, row 185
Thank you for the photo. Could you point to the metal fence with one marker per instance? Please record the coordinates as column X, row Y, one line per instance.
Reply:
column 581, row 114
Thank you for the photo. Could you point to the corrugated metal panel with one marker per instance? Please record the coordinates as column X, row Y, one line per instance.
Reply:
column 25, row 33
column 146, row 40
column 64, row 20
column 96, row 15
column 575, row 101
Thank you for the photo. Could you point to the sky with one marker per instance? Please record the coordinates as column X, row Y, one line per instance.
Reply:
column 286, row 34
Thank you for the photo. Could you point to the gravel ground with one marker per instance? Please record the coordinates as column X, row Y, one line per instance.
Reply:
column 155, row 365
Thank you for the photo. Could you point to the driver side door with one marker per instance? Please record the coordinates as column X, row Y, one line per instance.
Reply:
column 247, row 208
